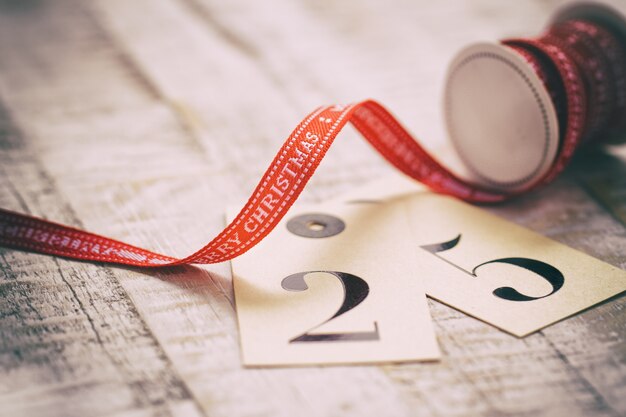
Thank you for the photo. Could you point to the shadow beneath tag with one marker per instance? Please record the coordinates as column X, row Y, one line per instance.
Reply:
column 193, row 280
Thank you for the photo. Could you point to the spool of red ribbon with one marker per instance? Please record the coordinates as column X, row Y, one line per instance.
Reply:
column 516, row 112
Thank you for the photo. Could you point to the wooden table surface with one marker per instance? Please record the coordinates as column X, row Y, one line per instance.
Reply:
column 142, row 120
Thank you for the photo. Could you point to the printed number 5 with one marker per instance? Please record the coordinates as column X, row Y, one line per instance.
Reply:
column 544, row 270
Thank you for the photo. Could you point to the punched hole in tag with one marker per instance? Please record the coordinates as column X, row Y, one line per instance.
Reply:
column 316, row 225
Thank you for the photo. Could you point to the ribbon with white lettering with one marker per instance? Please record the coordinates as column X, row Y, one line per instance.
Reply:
column 581, row 63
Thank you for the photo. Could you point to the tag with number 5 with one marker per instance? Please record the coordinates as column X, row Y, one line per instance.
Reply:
column 502, row 273
column 333, row 284
column 490, row 268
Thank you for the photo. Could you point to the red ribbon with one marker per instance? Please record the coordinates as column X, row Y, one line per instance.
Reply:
column 585, row 79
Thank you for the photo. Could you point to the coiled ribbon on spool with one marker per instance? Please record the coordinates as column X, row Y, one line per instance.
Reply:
column 575, row 73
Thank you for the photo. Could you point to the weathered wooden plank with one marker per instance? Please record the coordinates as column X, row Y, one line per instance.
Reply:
column 187, row 116
column 71, row 341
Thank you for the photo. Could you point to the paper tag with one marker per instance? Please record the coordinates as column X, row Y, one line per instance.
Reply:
column 334, row 285
column 494, row 270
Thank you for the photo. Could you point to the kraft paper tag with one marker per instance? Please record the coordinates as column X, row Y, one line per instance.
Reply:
column 336, row 284
column 495, row 270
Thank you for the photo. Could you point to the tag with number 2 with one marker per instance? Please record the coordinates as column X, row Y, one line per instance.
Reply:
column 336, row 284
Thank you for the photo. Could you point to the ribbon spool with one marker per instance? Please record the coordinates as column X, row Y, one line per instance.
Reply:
column 516, row 111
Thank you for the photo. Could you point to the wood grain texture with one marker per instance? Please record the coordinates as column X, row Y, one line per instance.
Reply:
column 143, row 120
column 71, row 341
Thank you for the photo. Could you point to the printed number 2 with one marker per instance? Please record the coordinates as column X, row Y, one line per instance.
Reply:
column 355, row 291
column 544, row 270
